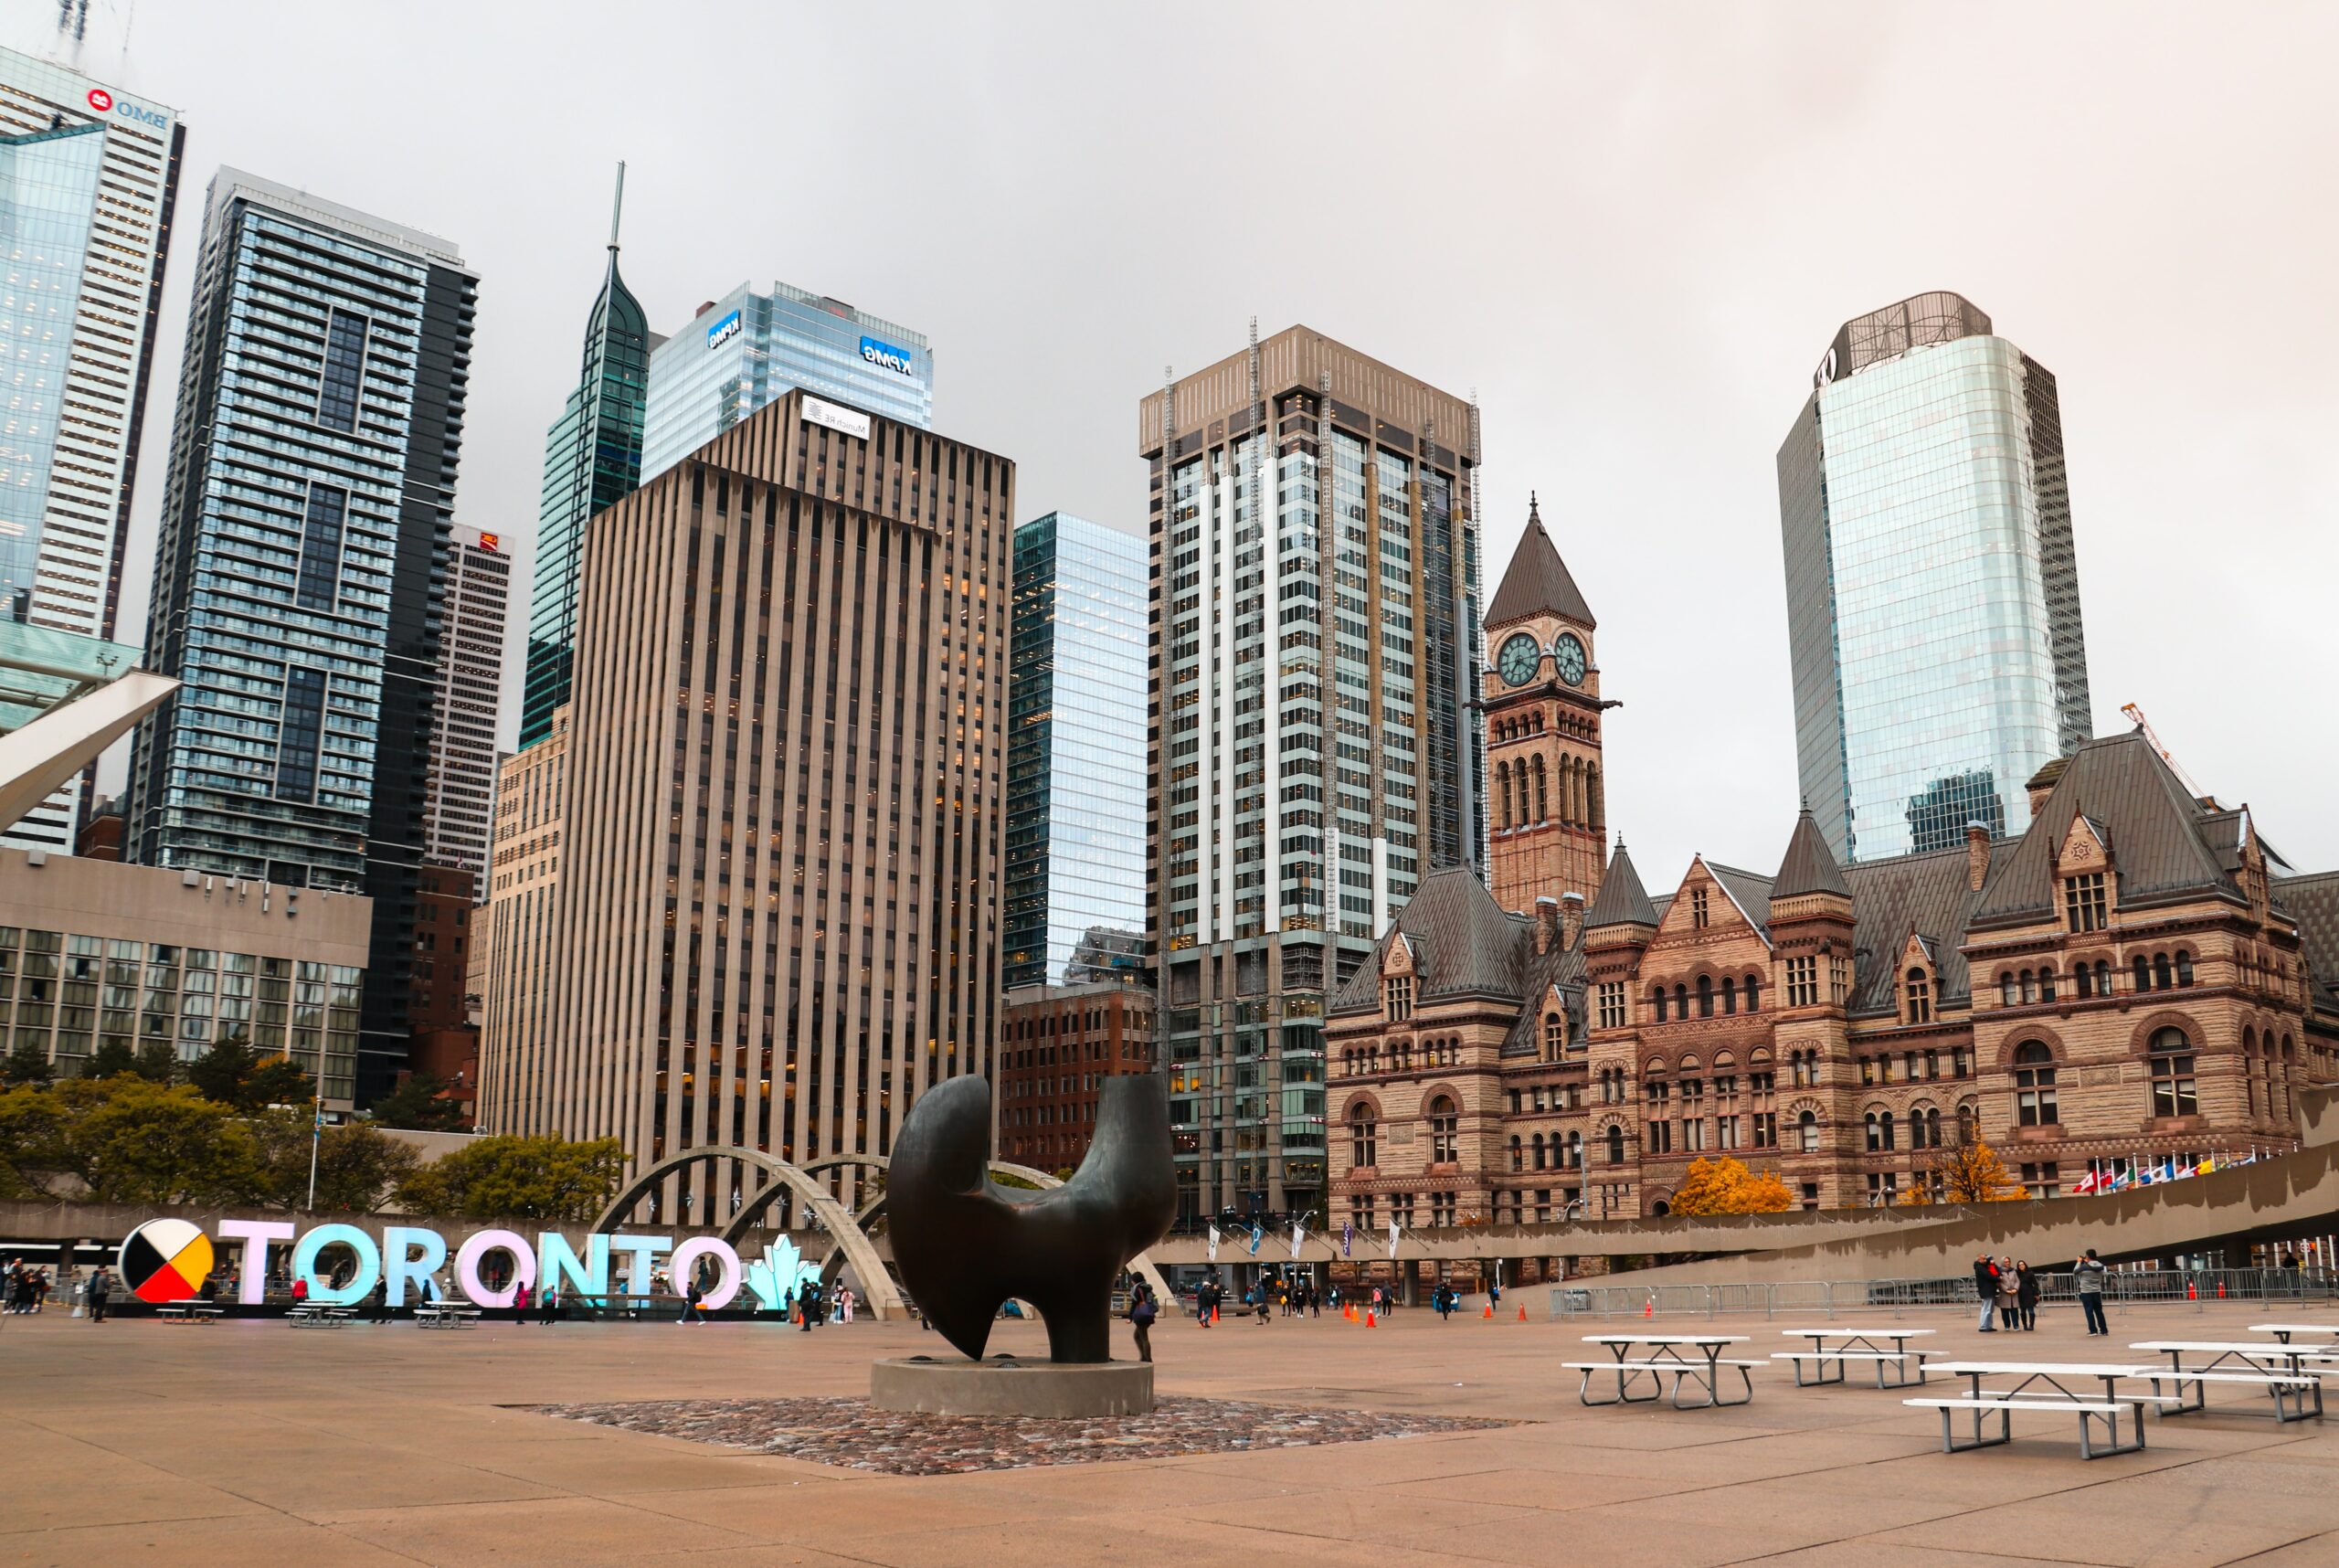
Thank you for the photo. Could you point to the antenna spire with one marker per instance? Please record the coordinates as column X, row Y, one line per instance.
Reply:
column 617, row 207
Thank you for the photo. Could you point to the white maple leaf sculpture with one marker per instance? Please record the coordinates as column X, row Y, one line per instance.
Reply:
column 775, row 1277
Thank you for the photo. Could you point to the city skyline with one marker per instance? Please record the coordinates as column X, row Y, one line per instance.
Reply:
column 1575, row 349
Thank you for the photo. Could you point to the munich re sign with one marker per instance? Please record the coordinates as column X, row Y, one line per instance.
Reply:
column 851, row 421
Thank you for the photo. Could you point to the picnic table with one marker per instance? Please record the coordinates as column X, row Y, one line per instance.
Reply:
column 189, row 1312
column 317, row 1315
column 1685, row 1357
column 447, row 1315
column 1852, row 1345
column 2043, row 1388
column 2296, row 1386
column 2283, row 1331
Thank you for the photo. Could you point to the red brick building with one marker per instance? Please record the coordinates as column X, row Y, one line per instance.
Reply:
column 1057, row 1046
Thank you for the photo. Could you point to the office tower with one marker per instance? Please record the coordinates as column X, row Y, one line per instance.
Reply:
column 1075, row 754
column 1539, row 693
column 592, row 456
column 298, row 579
column 1932, row 594
column 459, row 791
column 1312, row 754
column 88, row 181
column 1057, row 1045
column 747, row 350
column 777, row 920
column 511, row 933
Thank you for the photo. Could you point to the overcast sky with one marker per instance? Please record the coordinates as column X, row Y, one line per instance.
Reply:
column 1631, row 229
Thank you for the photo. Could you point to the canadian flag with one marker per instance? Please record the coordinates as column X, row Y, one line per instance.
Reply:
column 2087, row 1184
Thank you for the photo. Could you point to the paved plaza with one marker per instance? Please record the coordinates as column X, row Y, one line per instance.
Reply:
column 256, row 1443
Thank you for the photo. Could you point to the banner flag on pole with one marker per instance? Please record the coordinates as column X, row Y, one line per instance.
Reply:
column 1348, row 1237
column 1214, row 1244
column 1256, row 1236
column 1392, row 1235
column 1296, row 1234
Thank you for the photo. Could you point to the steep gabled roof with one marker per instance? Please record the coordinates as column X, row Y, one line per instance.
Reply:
column 1750, row 891
column 1623, row 900
column 2313, row 903
column 1537, row 582
column 2164, row 843
column 1560, row 968
column 1463, row 942
column 1809, row 865
column 1928, row 894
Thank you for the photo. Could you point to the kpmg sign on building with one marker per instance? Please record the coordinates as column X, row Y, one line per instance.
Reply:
column 886, row 356
column 727, row 329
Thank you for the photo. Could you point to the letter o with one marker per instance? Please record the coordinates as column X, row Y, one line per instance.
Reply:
column 361, row 1284
column 523, row 1266
column 685, row 1259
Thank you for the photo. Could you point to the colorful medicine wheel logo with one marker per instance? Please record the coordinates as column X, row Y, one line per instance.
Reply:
column 165, row 1260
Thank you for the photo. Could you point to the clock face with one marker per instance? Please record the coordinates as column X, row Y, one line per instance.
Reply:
column 1519, row 659
column 1568, row 653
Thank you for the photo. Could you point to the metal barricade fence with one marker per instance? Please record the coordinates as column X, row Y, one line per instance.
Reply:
column 1824, row 1299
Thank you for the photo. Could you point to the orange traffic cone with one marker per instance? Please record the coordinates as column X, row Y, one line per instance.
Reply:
column 1522, row 1313
column 1490, row 1310
column 1649, row 1310
column 2192, row 1291
column 1213, row 1314
column 2221, row 1289
column 1368, row 1318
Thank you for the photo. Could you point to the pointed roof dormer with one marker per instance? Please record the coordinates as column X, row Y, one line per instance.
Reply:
column 1809, row 866
column 1537, row 582
column 1623, row 900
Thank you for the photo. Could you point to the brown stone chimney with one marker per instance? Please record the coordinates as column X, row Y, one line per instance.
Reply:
column 1977, row 855
column 1547, row 924
column 2042, row 783
column 1571, row 919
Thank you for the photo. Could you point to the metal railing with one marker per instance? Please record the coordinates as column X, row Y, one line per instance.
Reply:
column 1827, row 1299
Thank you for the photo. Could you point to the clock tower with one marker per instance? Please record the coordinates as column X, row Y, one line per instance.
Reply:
column 1547, row 782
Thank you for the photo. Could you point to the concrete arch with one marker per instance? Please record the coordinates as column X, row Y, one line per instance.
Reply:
column 852, row 1242
column 744, row 1221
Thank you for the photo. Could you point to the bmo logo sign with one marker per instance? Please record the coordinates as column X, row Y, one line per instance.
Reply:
column 104, row 103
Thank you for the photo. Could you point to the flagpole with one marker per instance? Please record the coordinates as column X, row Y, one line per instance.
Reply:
column 316, row 1135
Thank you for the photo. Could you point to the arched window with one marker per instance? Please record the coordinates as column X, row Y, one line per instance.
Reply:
column 1542, row 801
column 1445, row 1131
column 1615, row 1146
column 1518, row 1154
column 1681, row 1000
column 1539, row 1151
column 1576, row 1151
column 1920, row 994
column 2083, row 979
column 1705, row 996
column 1874, row 1133
column 1657, row 1001
column 1364, row 1136
column 2162, row 978
column 2103, row 977
column 2184, row 967
column 2034, row 1086
column 2046, row 985
column 1966, row 1120
column 2144, row 968
column 2029, row 985
column 2007, row 995
column 1502, row 795
column 1753, row 994
column 1932, row 1126
column 1555, row 1036
column 2175, row 1092
column 1807, row 1126
column 1730, row 993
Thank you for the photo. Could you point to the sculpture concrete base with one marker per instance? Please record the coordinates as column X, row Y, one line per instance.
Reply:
column 1006, row 1387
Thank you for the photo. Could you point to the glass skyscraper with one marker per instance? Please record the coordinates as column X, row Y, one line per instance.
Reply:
column 747, row 349
column 299, row 579
column 1932, row 590
column 592, row 460
column 1076, row 756
column 88, row 180
column 1314, row 751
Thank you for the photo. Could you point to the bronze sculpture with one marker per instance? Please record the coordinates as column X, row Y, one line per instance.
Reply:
column 964, row 1245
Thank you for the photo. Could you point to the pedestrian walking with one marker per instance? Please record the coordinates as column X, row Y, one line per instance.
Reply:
column 845, row 1299
column 520, row 1302
column 1986, row 1286
column 378, row 1299
column 692, row 1310
column 100, row 1286
column 1141, row 1314
column 548, row 1307
column 2025, row 1294
column 2088, row 1275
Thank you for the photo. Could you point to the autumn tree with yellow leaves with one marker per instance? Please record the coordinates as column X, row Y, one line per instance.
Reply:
column 1971, row 1172
column 1726, row 1187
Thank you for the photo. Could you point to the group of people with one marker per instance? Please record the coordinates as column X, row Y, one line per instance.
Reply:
column 2010, row 1291
column 28, row 1287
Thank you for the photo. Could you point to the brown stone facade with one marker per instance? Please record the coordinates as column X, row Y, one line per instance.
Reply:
column 1058, row 1043
column 2130, row 985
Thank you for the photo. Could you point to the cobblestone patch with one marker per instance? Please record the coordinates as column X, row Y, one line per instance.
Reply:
column 848, row 1433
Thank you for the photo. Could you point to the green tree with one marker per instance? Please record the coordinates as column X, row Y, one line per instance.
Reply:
column 519, row 1177
column 232, row 1074
column 358, row 1166
column 32, row 1141
column 158, row 1061
column 27, row 1064
column 113, row 1059
column 136, row 1142
column 415, row 1103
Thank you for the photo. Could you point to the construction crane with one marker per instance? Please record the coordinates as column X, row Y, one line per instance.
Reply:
column 2151, row 738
